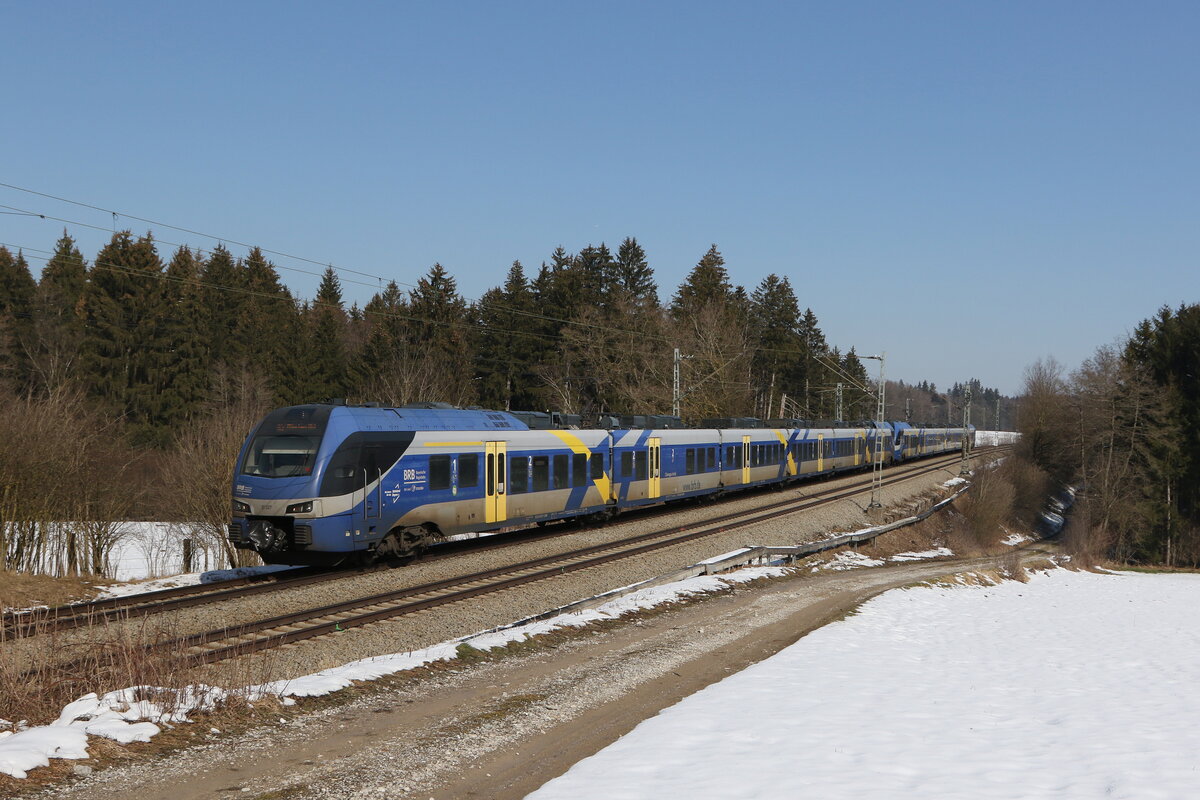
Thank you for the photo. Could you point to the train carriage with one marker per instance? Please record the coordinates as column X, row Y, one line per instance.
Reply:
column 325, row 483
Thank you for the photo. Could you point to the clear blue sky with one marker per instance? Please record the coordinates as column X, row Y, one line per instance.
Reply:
column 1023, row 176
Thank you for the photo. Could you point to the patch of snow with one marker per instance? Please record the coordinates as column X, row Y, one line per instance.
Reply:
column 1014, row 539
column 950, row 484
column 849, row 559
column 937, row 552
column 1074, row 685
column 186, row 579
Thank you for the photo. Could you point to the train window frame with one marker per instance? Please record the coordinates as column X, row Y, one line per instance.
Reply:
column 579, row 475
column 439, row 472
column 627, row 464
column 560, row 475
column 641, row 465
column 468, row 470
column 540, row 469
column 712, row 459
column 597, row 460
column 518, row 475
column 689, row 461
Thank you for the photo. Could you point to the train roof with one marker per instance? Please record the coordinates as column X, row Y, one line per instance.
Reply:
column 432, row 419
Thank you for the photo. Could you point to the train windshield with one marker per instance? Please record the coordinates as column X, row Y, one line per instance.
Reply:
column 285, row 444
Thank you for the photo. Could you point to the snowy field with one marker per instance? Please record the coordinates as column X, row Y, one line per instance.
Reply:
column 1074, row 685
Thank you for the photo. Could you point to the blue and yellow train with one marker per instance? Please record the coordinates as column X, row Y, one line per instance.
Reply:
column 322, row 483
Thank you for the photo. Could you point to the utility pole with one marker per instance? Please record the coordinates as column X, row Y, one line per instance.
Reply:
column 908, row 409
column 675, row 395
column 838, row 403
column 965, row 469
column 877, row 465
column 997, row 411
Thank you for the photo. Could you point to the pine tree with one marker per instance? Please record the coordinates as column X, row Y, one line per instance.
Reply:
column 708, row 282
column 813, row 371
column 59, row 317
column 328, row 324
column 126, row 347
column 224, row 302
column 185, row 374
column 596, row 276
column 441, row 329
column 17, row 290
column 775, row 318
column 267, row 323
column 634, row 275
column 502, row 352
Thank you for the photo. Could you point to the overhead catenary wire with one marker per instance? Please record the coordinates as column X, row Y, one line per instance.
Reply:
column 479, row 302
column 224, row 239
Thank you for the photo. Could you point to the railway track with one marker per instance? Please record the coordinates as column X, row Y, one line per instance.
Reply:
column 231, row 642
column 23, row 624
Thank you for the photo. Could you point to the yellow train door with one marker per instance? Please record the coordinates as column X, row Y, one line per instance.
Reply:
column 820, row 452
column 655, row 489
column 745, row 459
column 496, row 508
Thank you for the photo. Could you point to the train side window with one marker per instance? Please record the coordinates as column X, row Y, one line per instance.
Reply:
column 518, row 475
column 439, row 472
column 541, row 473
column 597, row 466
column 579, row 469
column 689, row 459
column 468, row 470
column 639, row 463
column 627, row 464
column 562, row 471
column 712, row 458
column 728, row 457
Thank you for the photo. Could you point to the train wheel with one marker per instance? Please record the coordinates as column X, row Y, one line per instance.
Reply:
column 402, row 544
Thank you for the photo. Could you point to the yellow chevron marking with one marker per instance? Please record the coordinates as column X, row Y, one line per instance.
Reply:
column 604, row 485
column 791, row 462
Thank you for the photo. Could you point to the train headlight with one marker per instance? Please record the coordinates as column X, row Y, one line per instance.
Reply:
column 300, row 508
column 241, row 508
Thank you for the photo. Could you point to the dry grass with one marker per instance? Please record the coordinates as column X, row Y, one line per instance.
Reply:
column 39, row 675
column 21, row 590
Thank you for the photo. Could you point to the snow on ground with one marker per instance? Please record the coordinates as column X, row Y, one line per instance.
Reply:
column 126, row 716
column 852, row 559
column 1075, row 685
column 186, row 579
column 1014, row 539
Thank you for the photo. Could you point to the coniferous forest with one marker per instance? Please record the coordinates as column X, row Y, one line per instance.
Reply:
column 130, row 379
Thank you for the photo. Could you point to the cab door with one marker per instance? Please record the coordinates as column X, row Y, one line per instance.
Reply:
column 745, row 459
column 820, row 452
column 860, row 442
column 655, row 445
column 495, row 504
